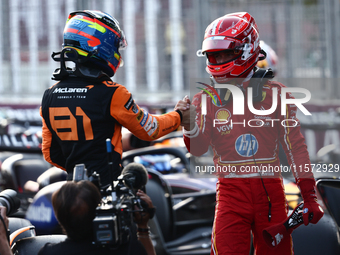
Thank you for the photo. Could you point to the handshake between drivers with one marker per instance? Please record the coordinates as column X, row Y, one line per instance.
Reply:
column 188, row 113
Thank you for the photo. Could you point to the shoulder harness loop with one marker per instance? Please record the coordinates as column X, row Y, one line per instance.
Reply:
column 258, row 80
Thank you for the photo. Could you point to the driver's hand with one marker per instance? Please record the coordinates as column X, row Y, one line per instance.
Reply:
column 189, row 117
column 312, row 212
column 183, row 104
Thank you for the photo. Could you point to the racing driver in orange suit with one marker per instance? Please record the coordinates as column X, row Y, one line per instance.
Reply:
column 86, row 107
column 250, row 195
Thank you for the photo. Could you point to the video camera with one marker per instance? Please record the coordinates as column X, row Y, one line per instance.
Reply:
column 114, row 217
column 9, row 199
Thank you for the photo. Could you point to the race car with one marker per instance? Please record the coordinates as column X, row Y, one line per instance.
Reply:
column 184, row 197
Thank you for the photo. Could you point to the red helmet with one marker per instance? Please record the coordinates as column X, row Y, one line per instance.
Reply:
column 236, row 33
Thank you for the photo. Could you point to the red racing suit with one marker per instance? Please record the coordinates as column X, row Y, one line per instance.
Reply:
column 243, row 145
column 80, row 114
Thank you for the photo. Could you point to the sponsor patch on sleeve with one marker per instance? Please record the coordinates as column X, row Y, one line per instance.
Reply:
column 154, row 126
column 129, row 103
column 148, row 123
column 140, row 115
column 154, row 136
column 135, row 108
column 144, row 119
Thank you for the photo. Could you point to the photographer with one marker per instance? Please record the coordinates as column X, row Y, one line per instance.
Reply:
column 75, row 205
column 4, row 245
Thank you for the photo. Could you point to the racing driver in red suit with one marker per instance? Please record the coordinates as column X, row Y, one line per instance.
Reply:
column 250, row 194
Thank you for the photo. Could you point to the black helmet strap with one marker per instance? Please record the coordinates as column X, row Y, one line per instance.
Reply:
column 257, row 81
column 264, row 55
column 80, row 69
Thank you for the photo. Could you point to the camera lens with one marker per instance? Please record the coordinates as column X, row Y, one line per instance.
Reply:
column 8, row 199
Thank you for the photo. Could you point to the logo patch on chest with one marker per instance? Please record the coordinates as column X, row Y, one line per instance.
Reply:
column 246, row 145
column 223, row 114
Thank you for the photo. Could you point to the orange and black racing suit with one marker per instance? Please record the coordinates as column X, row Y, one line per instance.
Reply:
column 79, row 115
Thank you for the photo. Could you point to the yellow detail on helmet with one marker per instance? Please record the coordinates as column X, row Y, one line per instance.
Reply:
column 80, row 52
column 117, row 56
column 94, row 25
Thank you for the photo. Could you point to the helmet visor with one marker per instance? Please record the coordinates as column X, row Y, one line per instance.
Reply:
column 122, row 42
column 223, row 56
column 220, row 43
